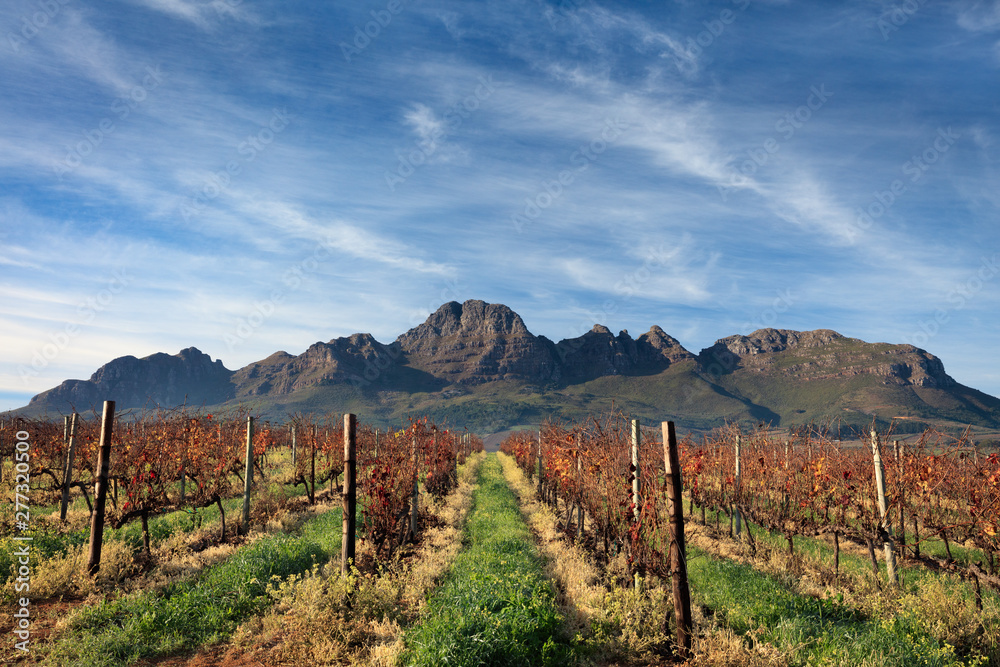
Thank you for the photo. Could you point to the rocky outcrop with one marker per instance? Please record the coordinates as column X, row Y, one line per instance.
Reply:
column 821, row 355
column 598, row 352
column 189, row 377
column 358, row 359
column 477, row 342
column 464, row 345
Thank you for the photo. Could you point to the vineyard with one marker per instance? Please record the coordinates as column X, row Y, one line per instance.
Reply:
column 608, row 485
column 230, row 539
column 174, row 473
column 936, row 487
column 173, row 461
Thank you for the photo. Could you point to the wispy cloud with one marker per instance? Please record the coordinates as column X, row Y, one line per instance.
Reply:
column 979, row 15
column 686, row 121
column 431, row 134
column 202, row 13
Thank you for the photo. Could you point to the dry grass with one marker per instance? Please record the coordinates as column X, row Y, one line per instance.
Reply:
column 179, row 557
column 715, row 646
column 65, row 576
column 440, row 545
column 613, row 623
column 954, row 620
column 935, row 600
column 322, row 618
column 185, row 555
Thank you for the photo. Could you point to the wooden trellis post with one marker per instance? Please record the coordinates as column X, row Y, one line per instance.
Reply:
column 636, row 438
column 885, row 524
column 248, row 476
column 312, row 468
column 579, row 500
column 183, row 480
column 434, row 448
column 416, row 490
column 898, row 453
column 678, row 551
column 68, row 468
column 349, row 493
column 101, row 490
column 540, row 462
column 737, row 486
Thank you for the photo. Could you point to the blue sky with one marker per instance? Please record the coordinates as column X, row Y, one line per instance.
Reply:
column 249, row 176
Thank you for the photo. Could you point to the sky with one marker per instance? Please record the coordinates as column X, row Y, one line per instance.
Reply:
column 247, row 176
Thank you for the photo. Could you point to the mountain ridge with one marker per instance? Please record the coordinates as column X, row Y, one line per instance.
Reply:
column 480, row 362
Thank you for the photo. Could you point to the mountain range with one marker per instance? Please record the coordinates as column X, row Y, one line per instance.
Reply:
column 476, row 364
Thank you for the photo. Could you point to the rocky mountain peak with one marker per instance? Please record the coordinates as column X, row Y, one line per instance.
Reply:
column 475, row 342
column 357, row 360
column 160, row 379
column 767, row 341
column 598, row 353
column 656, row 345
column 824, row 354
column 472, row 318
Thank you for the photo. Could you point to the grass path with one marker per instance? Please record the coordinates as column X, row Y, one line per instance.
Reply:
column 496, row 606
column 931, row 618
column 53, row 539
column 194, row 612
column 747, row 616
column 808, row 630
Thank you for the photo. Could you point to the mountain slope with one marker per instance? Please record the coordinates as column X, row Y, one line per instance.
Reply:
column 189, row 377
column 477, row 364
column 820, row 375
column 477, row 342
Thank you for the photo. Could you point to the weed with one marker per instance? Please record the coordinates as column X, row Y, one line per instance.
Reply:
column 496, row 607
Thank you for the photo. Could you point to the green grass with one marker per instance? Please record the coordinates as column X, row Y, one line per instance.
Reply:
column 811, row 631
column 822, row 552
column 50, row 539
column 495, row 607
column 204, row 610
column 48, row 542
column 828, row 630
